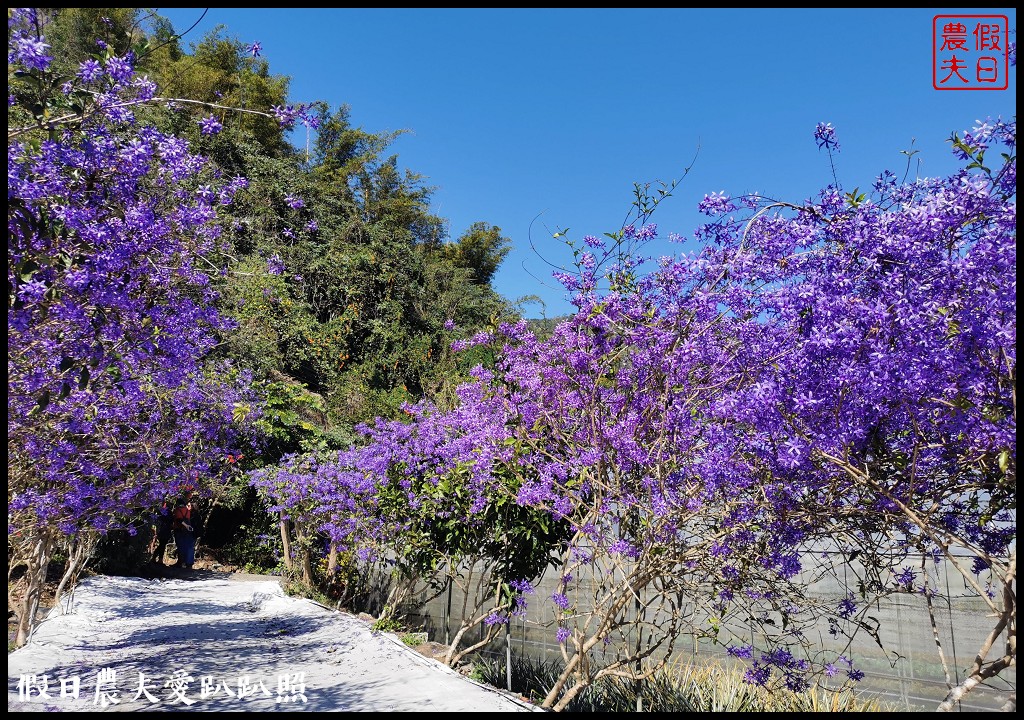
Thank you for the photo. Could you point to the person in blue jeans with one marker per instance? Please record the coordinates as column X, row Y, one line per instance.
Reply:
column 184, row 534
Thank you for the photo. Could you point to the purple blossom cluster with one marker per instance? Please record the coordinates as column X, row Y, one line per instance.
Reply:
column 829, row 370
column 275, row 265
column 825, row 136
column 734, row 404
column 24, row 46
column 716, row 204
column 112, row 403
column 288, row 115
column 210, row 125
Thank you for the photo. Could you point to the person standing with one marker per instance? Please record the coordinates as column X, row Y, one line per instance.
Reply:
column 184, row 536
column 164, row 531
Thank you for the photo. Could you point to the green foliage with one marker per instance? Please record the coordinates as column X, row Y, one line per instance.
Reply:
column 220, row 71
column 293, row 418
column 341, row 300
column 482, row 673
column 387, row 622
column 481, row 249
column 356, row 316
column 412, row 639
column 256, row 547
column 73, row 33
column 517, row 542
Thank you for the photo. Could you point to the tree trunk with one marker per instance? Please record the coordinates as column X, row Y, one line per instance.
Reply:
column 80, row 548
column 332, row 562
column 306, row 555
column 37, row 558
column 957, row 693
column 286, row 542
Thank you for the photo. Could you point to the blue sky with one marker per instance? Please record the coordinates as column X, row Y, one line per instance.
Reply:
column 536, row 120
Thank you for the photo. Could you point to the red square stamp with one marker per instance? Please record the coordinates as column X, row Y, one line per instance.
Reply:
column 970, row 52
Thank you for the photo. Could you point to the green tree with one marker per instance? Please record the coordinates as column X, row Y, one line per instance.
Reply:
column 481, row 250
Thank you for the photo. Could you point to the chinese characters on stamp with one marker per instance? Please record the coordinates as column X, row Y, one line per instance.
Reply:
column 970, row 52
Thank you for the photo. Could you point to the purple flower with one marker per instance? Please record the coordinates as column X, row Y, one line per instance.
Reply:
column 905, row 576
column 30, row 52
column 120, row 69
column 210, row 125
column 275, row 265
column 622, row 547
column 285, row 115
column 792, row 453
column 255, row 49
column 145, row 89
column 716, row 204
column 32, row 291
column 133, row 238
column 522, row 587
column 779, row 344
column 825, row 136
column 745, row 652
column 562, row 635
column 758, row 674
column 495, row 619
column 293, row 202
column 647, row 232
column 90, row 70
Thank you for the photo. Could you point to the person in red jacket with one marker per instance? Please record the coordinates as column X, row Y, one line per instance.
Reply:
column 184, row 534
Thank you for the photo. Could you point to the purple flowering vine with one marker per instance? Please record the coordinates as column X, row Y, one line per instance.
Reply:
column 114, row 399
column 209, row 125
column 825, row 136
